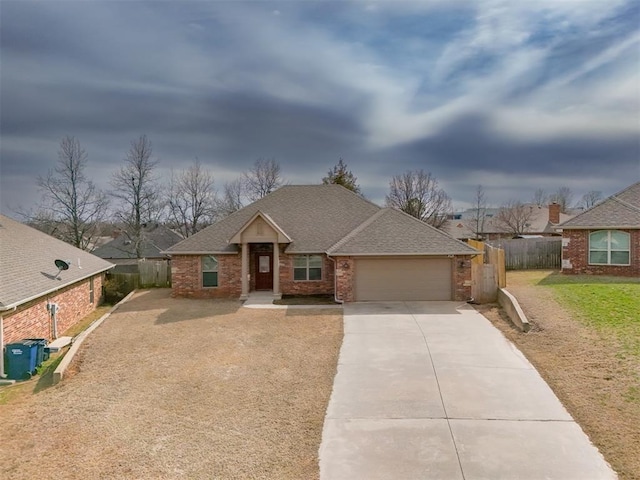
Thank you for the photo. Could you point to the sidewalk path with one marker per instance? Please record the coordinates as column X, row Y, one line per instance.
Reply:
column 431, row 390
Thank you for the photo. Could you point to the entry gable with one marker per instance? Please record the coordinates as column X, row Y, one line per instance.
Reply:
column 258, row 229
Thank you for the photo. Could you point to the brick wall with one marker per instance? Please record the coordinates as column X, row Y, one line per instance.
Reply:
column 462, row 278
column 345, row 270
column 32, row 319
column 186, row 277
column 575, row 255
column 313, row 287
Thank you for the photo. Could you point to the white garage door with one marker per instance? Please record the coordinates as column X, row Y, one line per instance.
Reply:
column 403, row 279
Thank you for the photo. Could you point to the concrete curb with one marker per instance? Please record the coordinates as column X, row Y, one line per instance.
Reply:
column 292, row 307
column 512, row 307
column 75, row 346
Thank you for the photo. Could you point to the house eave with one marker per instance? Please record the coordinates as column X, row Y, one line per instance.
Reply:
column 201, row 252
column 14, row 305
column 601, row 227
column 393, row 254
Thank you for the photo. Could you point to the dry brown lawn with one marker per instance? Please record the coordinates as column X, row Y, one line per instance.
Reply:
column 583, row 366
column 178, row 388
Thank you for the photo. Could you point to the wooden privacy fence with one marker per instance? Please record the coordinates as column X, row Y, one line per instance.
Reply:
column 154, row 273
column 531, row 253
column 488, row 272
column 151, row 273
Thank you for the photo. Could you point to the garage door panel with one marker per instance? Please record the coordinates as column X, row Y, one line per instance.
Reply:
column 402, row 279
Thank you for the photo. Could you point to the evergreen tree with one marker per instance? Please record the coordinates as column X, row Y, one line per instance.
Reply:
column 341, row 175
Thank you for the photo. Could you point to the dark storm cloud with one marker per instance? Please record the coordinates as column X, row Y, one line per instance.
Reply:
column 460, row 90
column 467, row 144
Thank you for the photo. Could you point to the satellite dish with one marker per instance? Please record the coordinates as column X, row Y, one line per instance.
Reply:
column 62, row 265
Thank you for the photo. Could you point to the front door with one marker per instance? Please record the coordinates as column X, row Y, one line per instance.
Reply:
column 264, row 271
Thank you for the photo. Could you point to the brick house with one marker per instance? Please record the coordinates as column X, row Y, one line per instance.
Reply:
column 321, row 239
column 542, row 221
column 605, row 240
column 37, row 300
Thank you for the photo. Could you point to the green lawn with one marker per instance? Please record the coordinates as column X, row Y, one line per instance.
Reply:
column 611, row 304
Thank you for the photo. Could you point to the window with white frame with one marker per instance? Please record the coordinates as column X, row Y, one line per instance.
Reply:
column 209, row 271
column 307, row 267
column 609, row 247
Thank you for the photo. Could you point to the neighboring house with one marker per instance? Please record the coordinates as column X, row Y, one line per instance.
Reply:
column 322, row 239
column 542, row 221
column 30, row 283
column 605, row 240
column 121, row 250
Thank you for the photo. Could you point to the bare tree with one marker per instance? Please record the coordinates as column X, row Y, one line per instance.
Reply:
column 418, row 194
column 590, row 199
column 540, row 197
column 192, row 199
column 263, row 178
column 341, row 175
column 231, row 201
column 72, row 207
column 479, row 212
column 563, row 196
column 515, row 217
column 135, row 186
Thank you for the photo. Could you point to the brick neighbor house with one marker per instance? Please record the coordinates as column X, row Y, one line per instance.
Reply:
column 37, row 300
column 605, row 240
column 322, row 239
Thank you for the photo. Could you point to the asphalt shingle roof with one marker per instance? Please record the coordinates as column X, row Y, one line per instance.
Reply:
column 621, row 210
column 391, row 232
column 27, row 263
column 314, row 216
column 157, row 238
column 328, row 218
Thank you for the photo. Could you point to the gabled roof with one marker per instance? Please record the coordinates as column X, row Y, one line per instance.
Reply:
column 392, row 232
column 157, row 238
column 620, row 210
column 282, row 235
column 327, row 218
column 314, row 216
column 538, row 223
column 28, row 271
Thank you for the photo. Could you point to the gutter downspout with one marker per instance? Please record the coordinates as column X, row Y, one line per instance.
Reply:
column 2, row 374
column 335, row 281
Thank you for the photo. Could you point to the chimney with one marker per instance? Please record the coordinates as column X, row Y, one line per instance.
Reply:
column 554, row 213
column 116, row 233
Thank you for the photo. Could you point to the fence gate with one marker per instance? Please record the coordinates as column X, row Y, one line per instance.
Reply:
column 154, row 273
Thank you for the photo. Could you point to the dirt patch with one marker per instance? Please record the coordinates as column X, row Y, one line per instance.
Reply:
column 599, row 386
column 178, row 388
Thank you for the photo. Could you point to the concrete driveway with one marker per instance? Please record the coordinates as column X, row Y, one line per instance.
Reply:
column 431, row 390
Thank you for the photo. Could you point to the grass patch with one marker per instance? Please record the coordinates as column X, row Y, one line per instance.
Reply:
column 83, row 324
column 609, row 304
column 44, row 375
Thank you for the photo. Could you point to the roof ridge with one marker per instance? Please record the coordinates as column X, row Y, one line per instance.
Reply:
column 428, row 225
column 626, row 204
column 613, row 197
column 357, row 230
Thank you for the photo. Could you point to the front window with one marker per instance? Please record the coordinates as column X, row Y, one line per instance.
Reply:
column 307, row 267
column 609, row 247
column 209, row 271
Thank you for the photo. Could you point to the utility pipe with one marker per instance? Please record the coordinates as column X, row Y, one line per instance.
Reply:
column 2, row 374
column 335, row 280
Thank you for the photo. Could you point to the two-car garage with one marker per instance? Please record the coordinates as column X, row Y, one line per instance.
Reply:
column 403, row 279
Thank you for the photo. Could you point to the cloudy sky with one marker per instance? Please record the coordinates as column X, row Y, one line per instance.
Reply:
column 512, row 95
